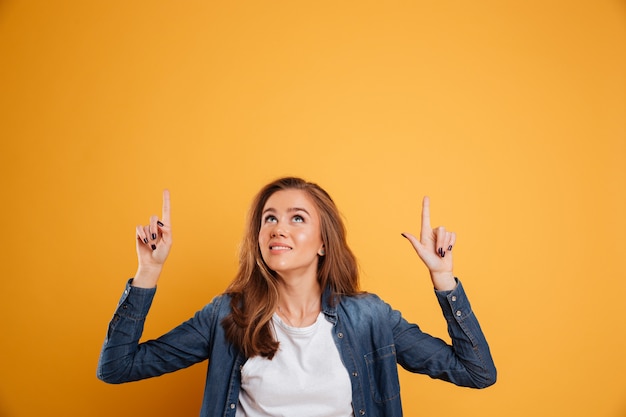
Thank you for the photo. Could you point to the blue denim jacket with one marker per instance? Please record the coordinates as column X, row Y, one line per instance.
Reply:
column 371, row 337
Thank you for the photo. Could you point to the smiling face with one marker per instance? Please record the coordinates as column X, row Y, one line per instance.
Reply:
column 290, row 236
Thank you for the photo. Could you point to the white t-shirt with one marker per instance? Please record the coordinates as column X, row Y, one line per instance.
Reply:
column 306, row 377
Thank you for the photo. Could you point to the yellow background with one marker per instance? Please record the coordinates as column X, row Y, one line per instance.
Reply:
column 509, row 114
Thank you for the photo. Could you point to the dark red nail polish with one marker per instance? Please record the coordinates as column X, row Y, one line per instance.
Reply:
column 153, row 246
column 153, row 236
column 403, row 235
column 145, row 240
column 450, row 247
column 160, row 224
column 440, row 252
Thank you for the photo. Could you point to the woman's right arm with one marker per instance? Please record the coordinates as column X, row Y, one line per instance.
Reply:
column 123, row 358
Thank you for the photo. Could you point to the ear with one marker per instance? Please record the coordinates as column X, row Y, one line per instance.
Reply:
column 322, row 251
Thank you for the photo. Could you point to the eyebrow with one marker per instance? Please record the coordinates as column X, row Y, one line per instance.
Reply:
column 289, row 210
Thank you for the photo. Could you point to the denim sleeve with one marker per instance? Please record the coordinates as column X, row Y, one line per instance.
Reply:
column 467, row 362
column 124, row 359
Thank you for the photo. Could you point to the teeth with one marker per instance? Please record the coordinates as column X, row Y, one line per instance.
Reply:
column 279, row 247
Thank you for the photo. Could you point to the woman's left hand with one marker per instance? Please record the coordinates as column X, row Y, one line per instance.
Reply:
column 434, row 247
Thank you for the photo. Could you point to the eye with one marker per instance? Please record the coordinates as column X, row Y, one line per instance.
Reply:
column 298, row 219
column 270, row 218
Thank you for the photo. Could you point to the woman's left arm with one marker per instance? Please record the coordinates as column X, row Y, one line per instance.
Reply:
column 468, row 361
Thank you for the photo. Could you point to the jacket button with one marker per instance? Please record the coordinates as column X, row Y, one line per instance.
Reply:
column 362, row 412
column 355, row 373
column 340, row 335
column 458, row 313
column 454, row 298
column 232, row 406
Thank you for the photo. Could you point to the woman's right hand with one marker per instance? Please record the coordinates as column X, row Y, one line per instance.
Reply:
column 153, row 245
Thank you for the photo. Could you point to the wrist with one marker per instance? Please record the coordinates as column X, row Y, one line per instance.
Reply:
column 443, row 281
column 147, row 276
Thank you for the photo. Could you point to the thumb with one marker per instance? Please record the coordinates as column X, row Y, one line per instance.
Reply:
column 417, row 245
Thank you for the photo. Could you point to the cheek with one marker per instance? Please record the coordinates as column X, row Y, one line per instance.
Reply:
column 263, row 236
column 308, row 238
column 262, row 244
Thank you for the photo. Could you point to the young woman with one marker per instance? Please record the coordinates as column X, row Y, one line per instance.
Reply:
column 293, row 335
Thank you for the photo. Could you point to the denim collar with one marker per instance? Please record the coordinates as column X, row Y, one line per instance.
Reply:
column 328, row 307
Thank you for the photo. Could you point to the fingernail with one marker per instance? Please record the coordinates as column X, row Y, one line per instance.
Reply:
column 450, row 247
column 153, row 236
column 443, row 254
column 160, row 224
column 440, row 252
column 145, row 240
column 403, row 235
column 153, row 246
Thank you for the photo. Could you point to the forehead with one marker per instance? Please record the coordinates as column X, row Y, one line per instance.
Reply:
column 291, row 199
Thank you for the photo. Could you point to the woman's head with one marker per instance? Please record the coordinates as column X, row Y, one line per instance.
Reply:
column 336, row 263
column 254, row 291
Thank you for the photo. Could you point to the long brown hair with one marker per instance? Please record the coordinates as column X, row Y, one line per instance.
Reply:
column 254, row 290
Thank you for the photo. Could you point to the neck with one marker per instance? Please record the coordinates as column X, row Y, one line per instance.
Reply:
column 299, row 303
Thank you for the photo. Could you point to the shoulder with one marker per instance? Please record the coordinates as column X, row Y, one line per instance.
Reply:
column 365, row 302
column 217, row 308
column 367, row 312
column 220, row 302
column 362, row 298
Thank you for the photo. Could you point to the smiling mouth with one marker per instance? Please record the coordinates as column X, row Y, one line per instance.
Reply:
column 280, row 248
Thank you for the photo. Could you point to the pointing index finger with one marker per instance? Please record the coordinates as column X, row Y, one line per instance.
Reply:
column 166, row 207
column 425, row 217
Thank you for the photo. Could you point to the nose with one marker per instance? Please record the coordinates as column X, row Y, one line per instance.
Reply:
column 278, row 230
